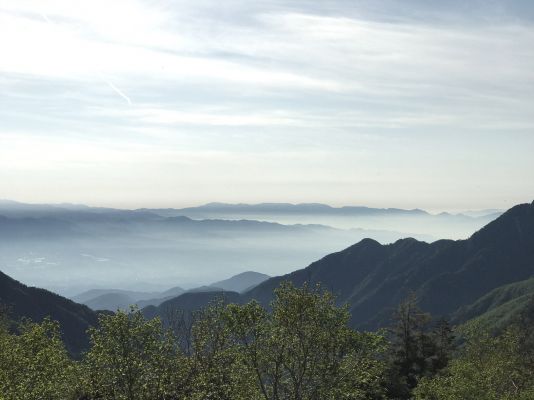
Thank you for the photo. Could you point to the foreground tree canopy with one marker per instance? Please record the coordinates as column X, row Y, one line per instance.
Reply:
column 489, row 367
column 301, row 349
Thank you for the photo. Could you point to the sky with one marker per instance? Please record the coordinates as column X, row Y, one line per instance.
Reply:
column 128, row 103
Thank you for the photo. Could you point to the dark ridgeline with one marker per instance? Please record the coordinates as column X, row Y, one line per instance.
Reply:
column 241, row 282
column 37, row 304
column 190, row 302
column 446, row 274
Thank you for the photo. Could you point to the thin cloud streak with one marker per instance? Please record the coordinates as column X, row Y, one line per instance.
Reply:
column 118, row 91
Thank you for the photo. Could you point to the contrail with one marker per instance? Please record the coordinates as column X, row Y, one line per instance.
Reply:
column 45, row 17
column 119, row 92
column 111, row 85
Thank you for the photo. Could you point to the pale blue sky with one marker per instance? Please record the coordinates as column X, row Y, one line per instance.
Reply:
column 411, row 103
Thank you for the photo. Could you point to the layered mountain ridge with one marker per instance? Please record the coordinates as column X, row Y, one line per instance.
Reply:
column 446, row 275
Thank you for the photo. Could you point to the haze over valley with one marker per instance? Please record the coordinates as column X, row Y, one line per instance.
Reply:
column 73, row 248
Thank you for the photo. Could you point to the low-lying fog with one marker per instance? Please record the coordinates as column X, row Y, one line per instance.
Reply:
column 70, row 249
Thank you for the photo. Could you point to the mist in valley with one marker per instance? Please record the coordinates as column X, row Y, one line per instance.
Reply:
column 70, row 249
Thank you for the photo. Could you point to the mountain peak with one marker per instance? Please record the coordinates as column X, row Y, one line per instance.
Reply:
column 367, row 242
column 515, row 224
column 242, row 282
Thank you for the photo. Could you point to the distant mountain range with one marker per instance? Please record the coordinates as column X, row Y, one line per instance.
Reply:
column 304, row 209
column 286, row 208
column 444, row 225
column 283, row 213
column 83, row 247
column 11, row 208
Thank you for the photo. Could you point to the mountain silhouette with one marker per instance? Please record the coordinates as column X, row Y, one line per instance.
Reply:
column 241, row 282
column 36, row 304
column 191, row 301
column 373, row 278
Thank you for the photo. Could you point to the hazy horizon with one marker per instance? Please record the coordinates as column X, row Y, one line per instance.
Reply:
column 178, row 205
column 74, row 248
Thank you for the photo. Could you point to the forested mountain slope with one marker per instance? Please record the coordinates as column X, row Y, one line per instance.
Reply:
column 500, row 307
column 373, row 278
column 37, row 304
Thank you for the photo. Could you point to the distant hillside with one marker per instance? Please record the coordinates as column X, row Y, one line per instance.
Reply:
column 173, row 292
column 92, row 294
column 241, row 282
column 160, row 297
column 111, row 302
column 191, row 301
column 498, row 308
column 36, row 304
column 114, row 299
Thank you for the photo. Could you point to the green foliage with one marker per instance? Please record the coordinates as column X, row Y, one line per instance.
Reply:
column 131, row 359
column 218, row 366
column 300, row 349
column 5, row 321
column 416, row 350
column 498, row 309
column 525, row 326
column 304, row 349
column 35, row 364
column 490, row 368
